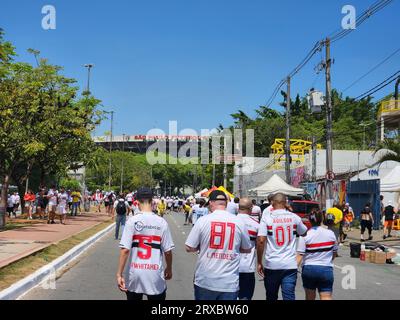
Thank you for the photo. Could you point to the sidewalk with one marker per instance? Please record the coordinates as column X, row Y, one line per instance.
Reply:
column 394, row 242
column 19, row 243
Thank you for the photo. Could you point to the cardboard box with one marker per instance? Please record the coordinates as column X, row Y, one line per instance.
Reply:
column 367, row 255
column 372, row 256
column 380, row 257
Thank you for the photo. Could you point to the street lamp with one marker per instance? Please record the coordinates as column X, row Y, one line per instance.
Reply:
column 111, row 140
column 365, row 125
column 89, row 66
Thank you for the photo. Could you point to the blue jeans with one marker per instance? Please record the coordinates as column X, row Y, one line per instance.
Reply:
column 274, row 279
column 74, row 209
column 247, row 283
column 205, row 294
column 120, row 220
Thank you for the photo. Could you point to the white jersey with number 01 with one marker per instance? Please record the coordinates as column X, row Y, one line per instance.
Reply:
column 248, row 260
column 149, row 237
column 219, row 237
column 281, row 228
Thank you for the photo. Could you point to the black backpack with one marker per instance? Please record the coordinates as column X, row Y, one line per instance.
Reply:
column 121, row 208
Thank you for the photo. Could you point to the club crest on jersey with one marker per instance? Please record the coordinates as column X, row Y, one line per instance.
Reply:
column 139, row 226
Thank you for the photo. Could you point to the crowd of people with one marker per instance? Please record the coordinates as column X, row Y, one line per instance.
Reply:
column 46, row 204
column 234, row 239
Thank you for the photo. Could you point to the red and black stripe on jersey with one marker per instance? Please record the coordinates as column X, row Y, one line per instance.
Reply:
column 270, row 232
column 152, row 241
column 253, row 235
column 320, row 247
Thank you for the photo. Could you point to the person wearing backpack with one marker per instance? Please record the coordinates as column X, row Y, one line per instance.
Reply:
column 121, row 208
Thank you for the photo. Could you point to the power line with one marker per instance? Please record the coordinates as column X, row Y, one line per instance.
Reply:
column 335, row 36
column 372, row 70
column 380, row 86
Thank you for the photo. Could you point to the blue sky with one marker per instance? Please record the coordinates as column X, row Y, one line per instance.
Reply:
column 199, row 61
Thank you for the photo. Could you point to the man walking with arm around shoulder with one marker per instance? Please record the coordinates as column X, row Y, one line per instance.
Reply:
column 149, row 238
column 219, row 238
column 278, row 231
column 247, row 269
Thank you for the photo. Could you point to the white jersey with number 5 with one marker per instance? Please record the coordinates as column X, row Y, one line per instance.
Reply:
column 148, row 236
column 281, row 228
column 219, row 237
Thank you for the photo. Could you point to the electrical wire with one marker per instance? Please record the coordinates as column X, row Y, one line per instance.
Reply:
column 380, row 86
column 335, row 36
column 371, row 70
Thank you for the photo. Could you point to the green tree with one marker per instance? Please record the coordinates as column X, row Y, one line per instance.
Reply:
column 393, row 150
column 43, row 123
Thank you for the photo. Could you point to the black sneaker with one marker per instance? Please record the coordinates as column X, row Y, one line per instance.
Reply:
column 362, row 240
column 389, row 236
column 370, row 238
column 384, row 237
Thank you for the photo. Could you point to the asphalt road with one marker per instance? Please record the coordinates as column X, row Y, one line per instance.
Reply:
column 93, row 277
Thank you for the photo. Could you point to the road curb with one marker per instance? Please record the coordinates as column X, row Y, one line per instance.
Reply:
column 23, row 286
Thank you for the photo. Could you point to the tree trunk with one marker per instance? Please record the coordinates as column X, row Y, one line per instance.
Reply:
column 3, row 201
column 21, row 192
column 42, row 176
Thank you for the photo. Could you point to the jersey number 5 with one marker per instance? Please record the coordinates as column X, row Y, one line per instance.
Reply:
column 144, row 251
column 218, row 234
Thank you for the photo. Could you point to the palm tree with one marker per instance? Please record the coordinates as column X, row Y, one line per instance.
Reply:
column 392, row 147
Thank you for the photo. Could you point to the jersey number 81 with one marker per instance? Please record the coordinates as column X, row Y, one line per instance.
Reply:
column 218, row 234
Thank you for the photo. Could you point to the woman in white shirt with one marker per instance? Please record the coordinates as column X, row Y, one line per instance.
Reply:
column 316, row 253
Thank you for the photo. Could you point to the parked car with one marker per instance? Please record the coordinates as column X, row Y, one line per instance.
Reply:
column 303, row 209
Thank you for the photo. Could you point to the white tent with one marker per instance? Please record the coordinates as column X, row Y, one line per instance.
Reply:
column 276, row 185
column 391, row 183
column 198, row 195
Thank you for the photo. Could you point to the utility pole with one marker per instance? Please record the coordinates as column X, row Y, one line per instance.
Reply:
column 213, row 175
column 396, row 100
column 89, row 66
column 122, row 164
column 225, row 174
column 314, row 159
column 329, row 152
column 240, row 167
column 287, row 147
column 110, row 161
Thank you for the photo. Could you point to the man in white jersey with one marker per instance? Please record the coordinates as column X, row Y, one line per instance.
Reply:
column 278, row 231
column 148, row 237
column 247, row 268
column 195, row 208
column 129, row 198
column 52, row 195
column 255, row 211
column 233, row 206
column 219, row 238
column 62, row 205
column 98, row 198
